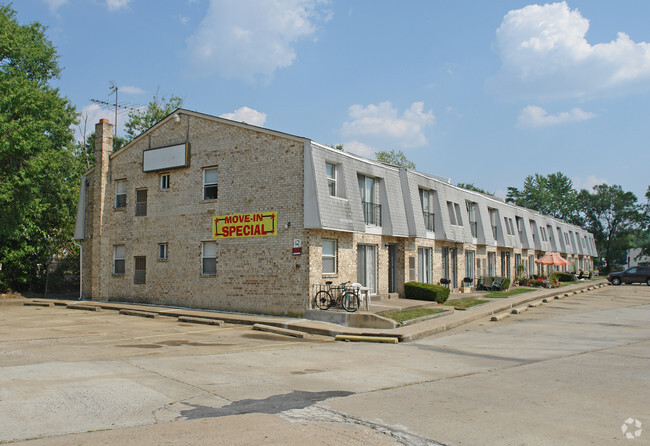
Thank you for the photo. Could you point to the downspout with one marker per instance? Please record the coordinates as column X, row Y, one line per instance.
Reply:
column 81, row 269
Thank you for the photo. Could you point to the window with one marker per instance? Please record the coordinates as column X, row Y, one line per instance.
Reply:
column 519, row 266
column 163, row 251
column 492, row 263
column 140, row 272
column 454, row 214
column 330, row 170
column 505, row 264
column 209, row 259
column 164, row 181
column 119, row 253
column 566, row 238
column 493, row 222
column 505, row 221
column 542, row 232
column 445, row 263
column 371, row 210
column 512, row 226
column 120, row 194
column 210, row 184
column 531, row 265
column 459, row 218
column 329, row 256
column 424, row 265
column 533, row 229
column 426, row 197
column 469, row 264
column 520, row 228
column 141, row 202
column 473, row 223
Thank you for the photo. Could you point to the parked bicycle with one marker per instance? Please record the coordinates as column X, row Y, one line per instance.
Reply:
column 342, row 295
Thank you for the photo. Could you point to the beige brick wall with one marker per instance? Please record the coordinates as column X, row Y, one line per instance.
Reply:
column 258, row 172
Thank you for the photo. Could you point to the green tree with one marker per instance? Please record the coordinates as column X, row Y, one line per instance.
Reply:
column 395, row 158
column 612, row 216
column 39, row 171
column 156, row 110
column 552, row 195
column 470, row 186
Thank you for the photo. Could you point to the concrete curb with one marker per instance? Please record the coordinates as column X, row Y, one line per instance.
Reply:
column 403, row 333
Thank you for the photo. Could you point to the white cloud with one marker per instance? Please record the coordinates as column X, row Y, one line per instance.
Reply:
column 95, row 112
column 544, row 53
column 533, row 116
column 129, row 89
column 114, row 5
column 359, row 148
column 587, row 183
column 247, row 115
column 55, row 4
column 251, row 38
column 382, row 126
column 183, row 19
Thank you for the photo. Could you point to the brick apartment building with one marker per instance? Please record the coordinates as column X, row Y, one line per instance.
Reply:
column 201, row 211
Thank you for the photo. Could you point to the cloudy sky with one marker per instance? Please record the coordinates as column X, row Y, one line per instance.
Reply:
column 481, row 92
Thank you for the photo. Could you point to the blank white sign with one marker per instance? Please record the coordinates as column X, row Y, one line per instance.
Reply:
column 165, row 158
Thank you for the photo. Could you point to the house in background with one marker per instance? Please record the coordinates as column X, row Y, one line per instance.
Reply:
column 634, row 258
column 201, row 211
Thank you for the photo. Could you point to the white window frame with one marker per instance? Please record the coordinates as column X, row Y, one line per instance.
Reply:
column 424, row 265
column 332, row 181
column 330, row 257
column 119, row 255
column 209, row 256
column 120, row 194
column 164, row 181
column 163, row 251
column 211, row 184
column 452, row 213
column 426, row 202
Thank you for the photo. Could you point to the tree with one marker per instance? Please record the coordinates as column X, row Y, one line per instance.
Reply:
column 552, row 195
column 395, row 158
column 39, row 171
column 611, row 215
column 156, row 110
column 470, row 186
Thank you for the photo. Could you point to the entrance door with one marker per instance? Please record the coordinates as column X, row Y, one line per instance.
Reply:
column 454, row 267
column 367, row 266
column 392, row 268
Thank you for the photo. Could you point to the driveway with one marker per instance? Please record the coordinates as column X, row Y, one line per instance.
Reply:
column 570, row 372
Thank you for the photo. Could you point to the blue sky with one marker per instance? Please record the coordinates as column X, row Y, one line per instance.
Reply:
column 482, row 92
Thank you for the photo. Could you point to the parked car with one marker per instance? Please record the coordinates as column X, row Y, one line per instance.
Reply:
column 637, row 274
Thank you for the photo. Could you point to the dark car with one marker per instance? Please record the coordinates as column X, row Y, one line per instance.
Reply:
column 637, row 274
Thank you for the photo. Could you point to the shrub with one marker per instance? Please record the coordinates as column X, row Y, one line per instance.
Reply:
column 563, row 277
column 505, row 283
column 426, row 291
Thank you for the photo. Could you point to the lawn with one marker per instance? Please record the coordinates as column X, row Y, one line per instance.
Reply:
column 465, row 303
column 411, row 313
column 511, row 292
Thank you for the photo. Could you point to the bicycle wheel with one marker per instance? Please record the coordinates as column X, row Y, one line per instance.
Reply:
column 323, row 300
column 351, row 301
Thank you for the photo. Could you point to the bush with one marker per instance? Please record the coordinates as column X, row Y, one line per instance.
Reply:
column 563, row 277
column 505, row 283
column 426, row 291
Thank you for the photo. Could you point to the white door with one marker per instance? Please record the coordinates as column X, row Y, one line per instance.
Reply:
column 367, row 266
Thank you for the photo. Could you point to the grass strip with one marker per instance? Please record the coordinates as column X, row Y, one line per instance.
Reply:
column 410, row 313
column 512, row 292
column 465, row 303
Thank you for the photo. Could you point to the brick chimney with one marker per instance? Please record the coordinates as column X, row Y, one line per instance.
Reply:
column 102, row 203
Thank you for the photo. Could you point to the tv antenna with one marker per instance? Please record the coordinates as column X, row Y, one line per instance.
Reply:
column 114, row 88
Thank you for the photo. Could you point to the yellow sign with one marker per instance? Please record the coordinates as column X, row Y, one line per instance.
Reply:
column 259, row 224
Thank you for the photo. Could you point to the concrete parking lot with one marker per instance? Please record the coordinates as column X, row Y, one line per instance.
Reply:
column 570, row 372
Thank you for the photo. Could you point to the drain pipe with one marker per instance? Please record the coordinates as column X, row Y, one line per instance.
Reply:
column 81, row 269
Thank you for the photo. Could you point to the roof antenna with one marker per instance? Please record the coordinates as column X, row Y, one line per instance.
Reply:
column 114, row 89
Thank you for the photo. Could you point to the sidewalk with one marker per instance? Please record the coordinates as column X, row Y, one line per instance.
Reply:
column 404, row 333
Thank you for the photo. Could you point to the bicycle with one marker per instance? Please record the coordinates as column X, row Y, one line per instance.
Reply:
column 339, row 295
